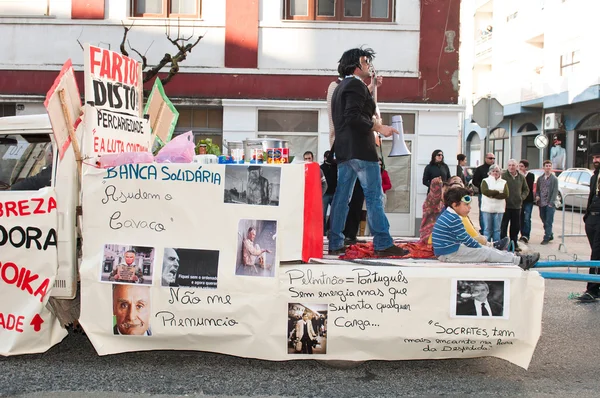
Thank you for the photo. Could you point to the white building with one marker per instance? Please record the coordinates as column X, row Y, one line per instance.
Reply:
column 539, row 58
column 261, row 69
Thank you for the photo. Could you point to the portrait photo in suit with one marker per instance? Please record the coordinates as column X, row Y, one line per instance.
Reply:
column 477, row 298
column 307, row 328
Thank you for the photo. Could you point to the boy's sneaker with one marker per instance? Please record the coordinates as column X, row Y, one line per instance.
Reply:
column 502, row 244
column 392, row 251
column 587, row 297
column 524, row 239
column 545, row 242
column 528, row 260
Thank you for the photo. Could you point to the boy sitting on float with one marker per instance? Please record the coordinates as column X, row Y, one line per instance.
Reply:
column 451, row 243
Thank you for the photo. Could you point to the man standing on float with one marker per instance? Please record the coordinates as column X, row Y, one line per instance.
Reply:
column 353, row 109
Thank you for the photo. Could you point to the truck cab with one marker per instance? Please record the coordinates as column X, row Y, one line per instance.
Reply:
column 27, row 148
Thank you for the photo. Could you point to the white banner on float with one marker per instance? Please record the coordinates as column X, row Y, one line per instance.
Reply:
column 28, row 267
column 180, row 257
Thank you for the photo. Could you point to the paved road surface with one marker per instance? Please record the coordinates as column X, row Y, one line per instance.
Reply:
column 564, row 365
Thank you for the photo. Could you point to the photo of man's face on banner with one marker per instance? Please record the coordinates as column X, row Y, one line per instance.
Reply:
column 558, row 153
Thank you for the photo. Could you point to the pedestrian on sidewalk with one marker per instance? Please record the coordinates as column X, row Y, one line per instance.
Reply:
column 436, row 168
column 329, row 170
column 461, row 170
column 517, row 192
column 479, row 175
column 546, row 193
column 494, row 192
column 527, row 203
column 592, row 225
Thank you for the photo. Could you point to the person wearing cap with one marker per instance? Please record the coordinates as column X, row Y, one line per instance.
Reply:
column 591, row 219
column 558, row 154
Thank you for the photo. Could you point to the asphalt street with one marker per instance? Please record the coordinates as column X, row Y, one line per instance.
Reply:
column 564, row 365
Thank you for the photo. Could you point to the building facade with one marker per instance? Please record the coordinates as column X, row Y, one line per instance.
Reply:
column 261, row 69
column 539, row 59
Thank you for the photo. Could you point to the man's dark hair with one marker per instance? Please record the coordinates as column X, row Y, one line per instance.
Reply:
column 460, row 157
column 454, row 195
column 326, row 154
column 351, row 60
column 546, row 161
column 309, row 153
column 525, row 163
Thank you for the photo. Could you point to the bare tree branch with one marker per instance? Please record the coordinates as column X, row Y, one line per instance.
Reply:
column 144, row 60
column 126, row 30
column 79, row 42
column 184, row 46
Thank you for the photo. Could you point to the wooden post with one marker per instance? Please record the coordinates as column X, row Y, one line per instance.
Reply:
column 156, row 120
column 71, row 129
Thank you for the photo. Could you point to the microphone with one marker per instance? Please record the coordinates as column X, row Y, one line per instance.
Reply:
column 466, row 295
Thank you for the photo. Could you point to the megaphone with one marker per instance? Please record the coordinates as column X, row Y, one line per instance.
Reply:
column 399, row 147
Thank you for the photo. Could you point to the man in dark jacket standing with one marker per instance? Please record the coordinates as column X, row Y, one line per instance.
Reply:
column 479, row 174
column 353, row 109
column 329, row 170
column 527, row 203
column 592, row 225
column 517, row 192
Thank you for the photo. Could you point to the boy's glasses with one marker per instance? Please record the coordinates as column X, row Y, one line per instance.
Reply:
column 466, row 199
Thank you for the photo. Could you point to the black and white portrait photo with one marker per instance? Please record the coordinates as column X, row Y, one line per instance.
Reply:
column 127, row 264
column 252, row 184
column 190, row 268
column 476, row 298
column 257, row 242
column 307, row 328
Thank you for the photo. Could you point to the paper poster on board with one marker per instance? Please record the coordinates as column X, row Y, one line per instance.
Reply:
column 65, row 83
column 162, row 113
column 28, row 268
column 113, row 96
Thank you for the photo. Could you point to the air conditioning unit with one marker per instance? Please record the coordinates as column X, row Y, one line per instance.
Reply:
column 552, row 121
